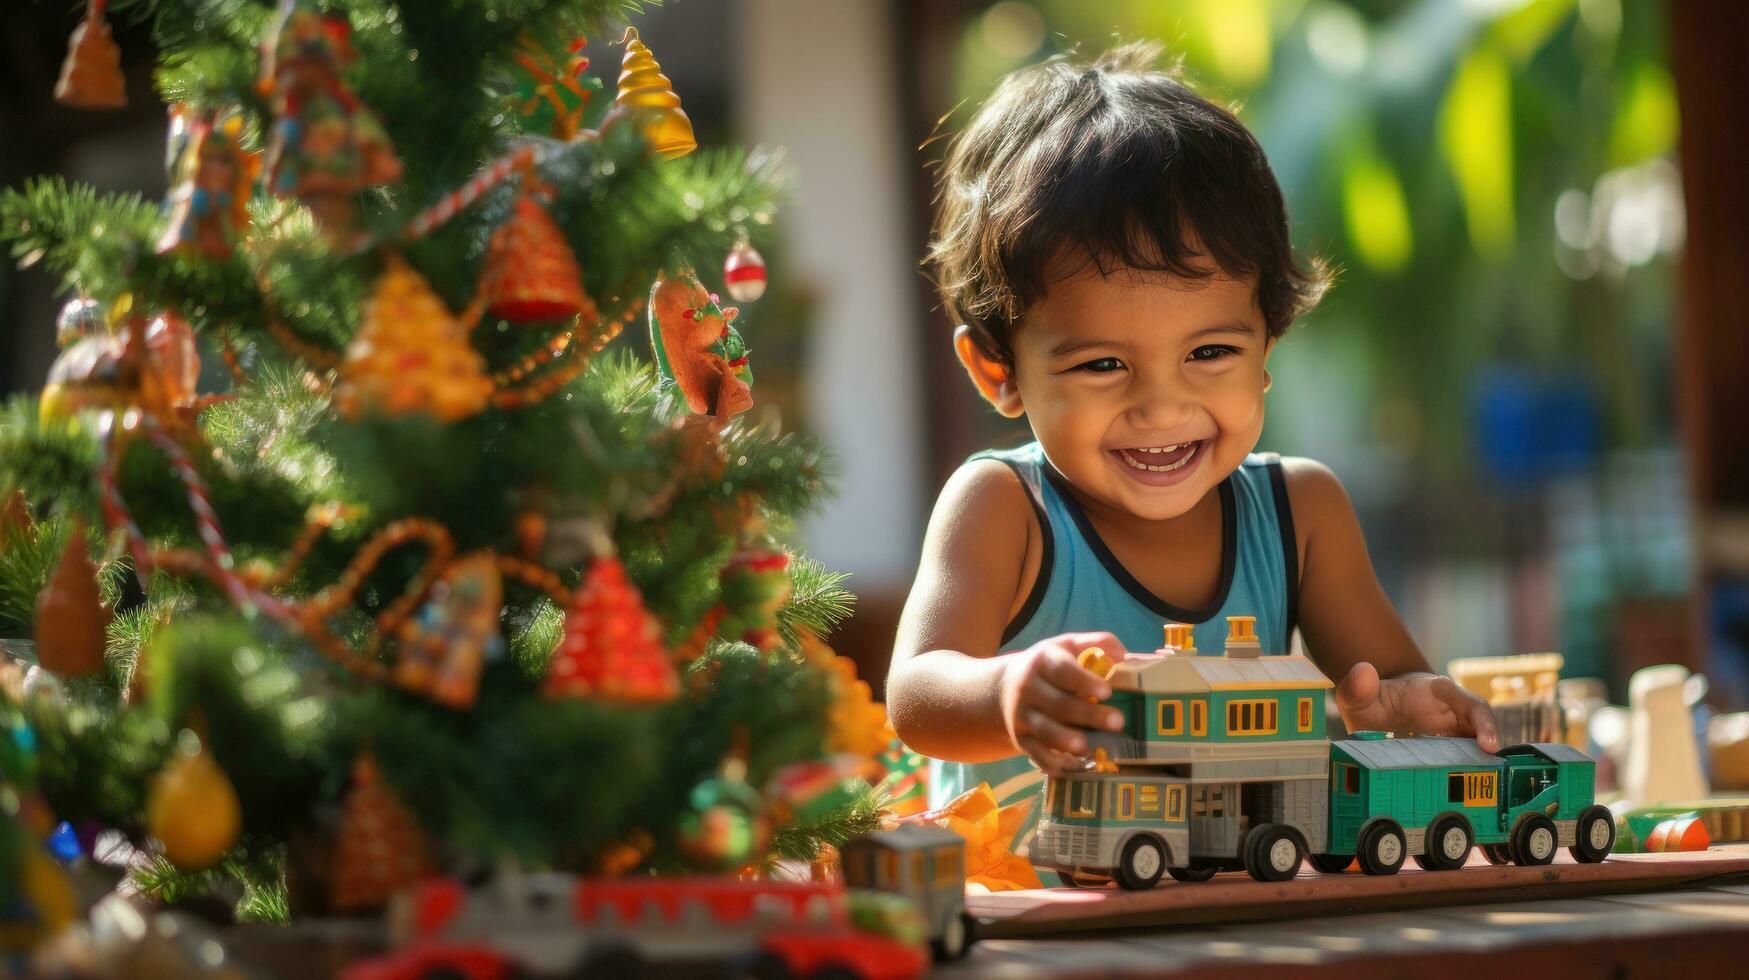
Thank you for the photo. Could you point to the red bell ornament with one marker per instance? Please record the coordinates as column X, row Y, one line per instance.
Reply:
column 530, row 272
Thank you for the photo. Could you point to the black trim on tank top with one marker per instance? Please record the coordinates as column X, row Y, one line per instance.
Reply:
column 1029, row 608
column 1290, row 549
column 1138, row 591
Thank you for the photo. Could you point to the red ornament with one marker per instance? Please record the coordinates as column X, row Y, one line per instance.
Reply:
column 612, row 648
column 530, row 271
column 744, row 273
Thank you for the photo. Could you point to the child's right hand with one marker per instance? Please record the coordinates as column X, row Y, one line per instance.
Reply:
column 1045, row 699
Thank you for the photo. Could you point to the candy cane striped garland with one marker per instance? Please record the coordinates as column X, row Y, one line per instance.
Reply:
column 447, row 206
column 206, row 522
column 115, row 510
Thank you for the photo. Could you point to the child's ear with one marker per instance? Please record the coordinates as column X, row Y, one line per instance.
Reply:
column 1268, row 346
column 994, row 380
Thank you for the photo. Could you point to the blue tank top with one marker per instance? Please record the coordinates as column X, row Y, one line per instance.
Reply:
column 1081, row 586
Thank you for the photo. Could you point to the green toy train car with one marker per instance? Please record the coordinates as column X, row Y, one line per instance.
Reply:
column 1222, row 764
column 1433, row 799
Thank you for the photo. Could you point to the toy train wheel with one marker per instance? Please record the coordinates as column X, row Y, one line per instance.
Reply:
column 1497, row 854
column 1594, row 836
column 1191, row 874
column 1142, row 862
column 955, row 938
column 1382, row 849
column 1330, row 864
column 1534, row 841
column 763, row 965
column 1272, row 853
column 1448, row 844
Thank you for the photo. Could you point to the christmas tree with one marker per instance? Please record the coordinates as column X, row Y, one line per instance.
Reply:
column 439, row 569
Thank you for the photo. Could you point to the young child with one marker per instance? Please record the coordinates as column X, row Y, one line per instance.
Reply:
column 1117, row 249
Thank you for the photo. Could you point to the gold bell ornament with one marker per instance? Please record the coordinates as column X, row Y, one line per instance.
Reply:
column 648, row 96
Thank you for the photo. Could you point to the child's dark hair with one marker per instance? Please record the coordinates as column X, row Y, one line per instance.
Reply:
column 1122, row 164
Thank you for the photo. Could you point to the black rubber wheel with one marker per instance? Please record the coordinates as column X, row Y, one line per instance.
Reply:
column 1191, row 874
column 1273, row 852
column 835, row 971
column 1140, row 865
column 610, row 959
column 763, row 965
column 1330, row 864
column 1497, row 854
column 955, row 940
column 1594, row 837
column 1382, row 849
column 1448, row 844
column 1533, row 842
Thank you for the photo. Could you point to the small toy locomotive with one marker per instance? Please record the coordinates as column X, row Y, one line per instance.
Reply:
column 1223, row 764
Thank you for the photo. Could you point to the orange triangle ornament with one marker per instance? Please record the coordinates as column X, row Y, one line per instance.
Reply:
column 91, row 76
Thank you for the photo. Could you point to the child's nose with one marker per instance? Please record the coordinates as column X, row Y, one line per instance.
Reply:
column 1160, row 408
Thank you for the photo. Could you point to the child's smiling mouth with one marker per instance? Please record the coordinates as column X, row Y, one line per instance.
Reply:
column 1160, row 465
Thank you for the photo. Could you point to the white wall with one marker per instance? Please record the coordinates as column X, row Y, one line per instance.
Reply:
column 817, row 77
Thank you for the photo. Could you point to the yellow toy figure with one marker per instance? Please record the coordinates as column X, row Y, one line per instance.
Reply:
column 209, row 195
column 691, row 338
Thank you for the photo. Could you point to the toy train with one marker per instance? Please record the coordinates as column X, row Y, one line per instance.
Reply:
column 1223, row 764
column 910, row 891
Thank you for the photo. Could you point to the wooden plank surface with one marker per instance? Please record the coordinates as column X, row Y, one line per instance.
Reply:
column 1235, row 897
column 1617, row 936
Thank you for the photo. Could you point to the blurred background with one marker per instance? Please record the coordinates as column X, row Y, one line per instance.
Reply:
column 1530, row 375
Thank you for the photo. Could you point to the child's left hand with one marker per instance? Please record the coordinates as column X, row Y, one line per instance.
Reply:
column 1419, row 702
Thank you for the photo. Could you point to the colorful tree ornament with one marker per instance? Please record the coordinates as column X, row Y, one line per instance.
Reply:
column 70, row 616
column 647, row 96
column 380, row 848
column 210, row 178
column 170, row 366
column 530, row 272
column 81, row 317
column 744, row 273
column 612, row 648
column 726, row 824
column 856, row 722
column 557, row 90
column 91, row 76
column 690, row 338
column 94, row 373
column 906, row 783
column 410, row 356
column 325, row 144
column 755, row 585
column 192, row 809
column 444, row 646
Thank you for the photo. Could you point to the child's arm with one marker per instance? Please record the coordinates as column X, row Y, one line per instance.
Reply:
column 948, row 694
column 1353, row 633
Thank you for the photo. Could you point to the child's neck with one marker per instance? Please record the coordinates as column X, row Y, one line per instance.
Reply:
column 1194, row 525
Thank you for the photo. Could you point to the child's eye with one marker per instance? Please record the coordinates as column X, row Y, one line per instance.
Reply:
column 1103, row 365
column 1212, row 352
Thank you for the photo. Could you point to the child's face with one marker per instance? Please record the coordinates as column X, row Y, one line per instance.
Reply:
column 1146, row 391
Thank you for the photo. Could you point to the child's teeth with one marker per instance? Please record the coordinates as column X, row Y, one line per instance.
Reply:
column 1166, row 449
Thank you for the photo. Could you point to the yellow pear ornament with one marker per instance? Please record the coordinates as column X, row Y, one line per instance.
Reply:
column 192, row 808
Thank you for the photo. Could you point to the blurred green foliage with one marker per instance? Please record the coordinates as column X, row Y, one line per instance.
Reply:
column 1491, row 177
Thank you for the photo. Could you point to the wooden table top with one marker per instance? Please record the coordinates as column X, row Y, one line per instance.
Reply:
column 1702, row 927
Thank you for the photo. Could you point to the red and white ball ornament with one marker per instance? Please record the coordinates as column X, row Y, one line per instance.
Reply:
column 744, row 273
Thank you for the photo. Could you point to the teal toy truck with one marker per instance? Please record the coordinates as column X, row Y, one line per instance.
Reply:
column 1223, row 764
